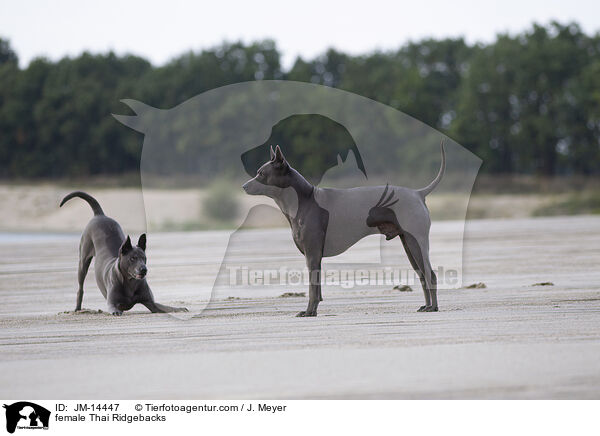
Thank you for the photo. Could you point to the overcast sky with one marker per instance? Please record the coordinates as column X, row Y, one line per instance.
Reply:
column 159, row 31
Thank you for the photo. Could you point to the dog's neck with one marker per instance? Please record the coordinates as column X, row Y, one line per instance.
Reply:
column 302, row 186
column 123, row 277
column 119, row 275
column 293, row 198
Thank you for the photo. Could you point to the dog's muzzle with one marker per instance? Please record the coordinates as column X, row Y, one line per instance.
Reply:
column 248, row 187
column 141, row 274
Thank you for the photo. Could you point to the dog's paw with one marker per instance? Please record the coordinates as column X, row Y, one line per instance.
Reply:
column 427, row 309
column 305, row 314
column 117, row 313
column 181, row 309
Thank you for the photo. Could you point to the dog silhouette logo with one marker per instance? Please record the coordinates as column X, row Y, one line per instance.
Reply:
column 346, row 148
column 26, row 415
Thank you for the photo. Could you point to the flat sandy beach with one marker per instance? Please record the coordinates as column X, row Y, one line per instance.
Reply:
column 508, row 340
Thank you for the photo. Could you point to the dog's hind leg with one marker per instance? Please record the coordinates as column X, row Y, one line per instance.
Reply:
column 433, row 291
column 415, row 257
column 86, row 253
column 430, row 277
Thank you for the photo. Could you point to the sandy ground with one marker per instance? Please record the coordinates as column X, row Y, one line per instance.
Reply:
column 509, row 340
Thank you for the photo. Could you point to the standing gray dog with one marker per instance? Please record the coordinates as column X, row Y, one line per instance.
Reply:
column 120, row 267
column 326, row 222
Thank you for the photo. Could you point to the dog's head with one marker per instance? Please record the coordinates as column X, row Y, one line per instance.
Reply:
column 132, row 260
column 271, row 177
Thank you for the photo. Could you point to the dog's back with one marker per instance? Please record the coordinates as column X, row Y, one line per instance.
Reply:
column 106, row 235
column 102, row 234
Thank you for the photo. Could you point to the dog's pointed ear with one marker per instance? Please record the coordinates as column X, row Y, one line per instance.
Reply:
column 272, row 153
column 142, row 242
column 126, row 247
column 279, row 158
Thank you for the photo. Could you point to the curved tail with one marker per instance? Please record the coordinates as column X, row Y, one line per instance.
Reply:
column 87, row 197
column 427, row 189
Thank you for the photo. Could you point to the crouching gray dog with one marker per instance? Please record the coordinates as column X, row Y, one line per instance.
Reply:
column 326, row 222
column 120, row 267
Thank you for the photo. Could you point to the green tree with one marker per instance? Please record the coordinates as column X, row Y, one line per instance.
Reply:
column 525, row 103
column 7, row 55
column 520, row 105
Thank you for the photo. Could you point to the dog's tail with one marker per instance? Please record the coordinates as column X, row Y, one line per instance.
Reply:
column 87, row 197
column 427, row 189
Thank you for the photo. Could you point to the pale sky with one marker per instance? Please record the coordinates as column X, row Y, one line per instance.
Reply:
column 159, row 31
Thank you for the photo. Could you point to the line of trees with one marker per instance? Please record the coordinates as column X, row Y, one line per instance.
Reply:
column 527, row 103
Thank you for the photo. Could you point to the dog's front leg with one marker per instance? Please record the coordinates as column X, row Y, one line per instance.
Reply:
column 112, row 301
column 313, row 262
column 112, row 308
column 147, row 299
column 161, row 308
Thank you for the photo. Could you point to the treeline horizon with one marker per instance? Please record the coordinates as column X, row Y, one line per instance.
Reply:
column 526, row 104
